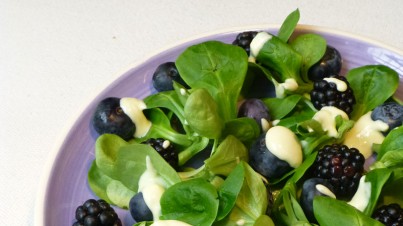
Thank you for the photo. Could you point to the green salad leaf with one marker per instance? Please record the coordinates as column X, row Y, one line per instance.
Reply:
column 367, row 81
column 229, row 191
column 311, row 47
column 193, row 201
column 201, row 113
column 288, row 26
column 115, row 172
column 218, row 68
column 393, row 142
column 280, row 107
column 282, row 58
column 341, row 213
column 228, row 154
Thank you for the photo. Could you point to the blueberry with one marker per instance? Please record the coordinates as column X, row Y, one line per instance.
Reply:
column 255, row 109
column 244, row 39
column 110, row 118
column 391, row 113
column 310, row 191
column 139, row 209
column 264, row 162
column 164, row 76
column 330, row 64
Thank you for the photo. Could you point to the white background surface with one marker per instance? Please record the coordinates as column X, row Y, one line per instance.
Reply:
column 56, row 56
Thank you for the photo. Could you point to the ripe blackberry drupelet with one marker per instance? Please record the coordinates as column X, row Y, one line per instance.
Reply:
column 326, row 93
column 341, row 166
column 96, row 213
column 165, row 149
column 244, row 39
column 389, row 215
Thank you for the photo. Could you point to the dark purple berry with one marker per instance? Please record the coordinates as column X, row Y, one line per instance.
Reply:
column 244, row 39
column 165, row 149
column 96, row 213
column 139, row 209
column 309, row 192
column 109, row 117
column 266, row 163
column 330, row 64
column 255, row 109
column 341, row 166
column 164, row 76
column 391, row 214
column 326, row 93
column 390, row 113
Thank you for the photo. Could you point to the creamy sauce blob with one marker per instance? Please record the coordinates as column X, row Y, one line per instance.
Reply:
column 182, row 91
column 324, row 190
column 152, row 186
column 365, row 133
column 327, row 118
column 265, row 124
column 340, row 85
column 257, row 44
column 169, row 223
column 133, row 108
column 240, row 222
column 166, row 144
column 361, row 197
column 289, row 84
column 283, row 143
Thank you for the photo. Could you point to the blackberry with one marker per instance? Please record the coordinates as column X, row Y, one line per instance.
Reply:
column 341, row 166
column 391, row 214
column 96, row 213
column 165, row 149
column 326, row 92
column 244, row 39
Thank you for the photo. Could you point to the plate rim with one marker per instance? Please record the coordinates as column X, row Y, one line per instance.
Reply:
column 50, row 161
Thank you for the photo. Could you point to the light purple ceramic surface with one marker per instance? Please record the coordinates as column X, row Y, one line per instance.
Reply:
column 67, row 185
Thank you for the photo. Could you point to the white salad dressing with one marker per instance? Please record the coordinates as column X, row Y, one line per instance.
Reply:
column 182, row 91
column 327, row 118
column 283, row 143
column 133, row 108
column 340, row 85
column 324, row 190
column 240, row 222
column 257, row 44
column 166, row 144
column 265, row 124
column 169, row 223
column 365, row 133
column 361, row 197
column 152, row 186
column 289, row 84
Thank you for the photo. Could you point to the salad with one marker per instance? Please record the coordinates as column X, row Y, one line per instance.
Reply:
column 263, row 131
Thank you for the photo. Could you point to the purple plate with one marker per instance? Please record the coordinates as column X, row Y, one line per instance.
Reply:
column 65, row 185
